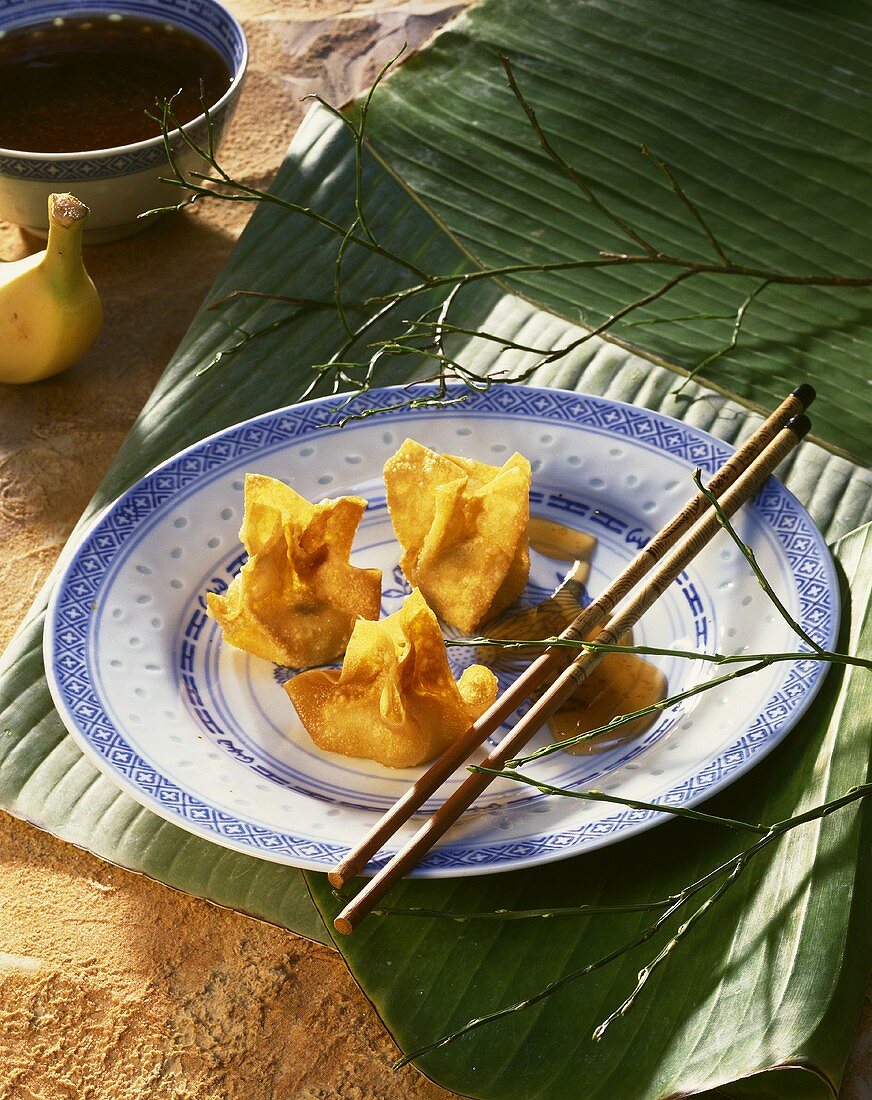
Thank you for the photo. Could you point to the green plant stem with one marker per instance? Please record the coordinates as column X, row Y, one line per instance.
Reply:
column 681, row 317
column 683, row 198
column 642, row 712
column 734, row 338
column 524, row 914
column 582, row 184
column 337, row 278
column 824, row 655
column 358, row 132
column 170, row 123
column 647, row 970
column 618, row 800
column 247, row 335
column 358, row 377
column 548, row 991
column 285, row 299
column 732, row 868
column 751, row 558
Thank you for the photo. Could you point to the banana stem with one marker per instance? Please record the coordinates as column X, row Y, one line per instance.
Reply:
column 63, row 251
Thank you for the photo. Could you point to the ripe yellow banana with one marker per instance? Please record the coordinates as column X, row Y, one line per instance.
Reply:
column 50, row 312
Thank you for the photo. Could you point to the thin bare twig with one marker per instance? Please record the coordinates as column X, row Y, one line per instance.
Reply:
column 751, row 559
column 734, row 339
column 686, row 202
column 567, row 169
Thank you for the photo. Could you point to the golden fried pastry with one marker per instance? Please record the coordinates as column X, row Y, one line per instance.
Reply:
column 463, row 529
column 395, row 699
column 297, row 598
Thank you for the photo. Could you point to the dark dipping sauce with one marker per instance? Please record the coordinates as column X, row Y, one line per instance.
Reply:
column 85, row 83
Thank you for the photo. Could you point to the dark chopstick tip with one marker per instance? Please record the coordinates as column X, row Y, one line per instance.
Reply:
column 343, row 926
column 336, row 879
column 805, row 394
column 799, row 425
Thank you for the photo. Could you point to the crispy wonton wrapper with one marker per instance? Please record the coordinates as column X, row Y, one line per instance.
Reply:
column 395, row 699
column 297, row 598
column 463, row 529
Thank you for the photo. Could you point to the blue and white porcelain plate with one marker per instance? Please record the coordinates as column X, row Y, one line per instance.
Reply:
column 205, row 736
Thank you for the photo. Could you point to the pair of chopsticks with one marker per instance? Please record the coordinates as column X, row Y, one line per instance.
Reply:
column 670, row 550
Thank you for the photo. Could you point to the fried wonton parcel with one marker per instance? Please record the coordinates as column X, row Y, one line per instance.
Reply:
column 463, row 529
column 395, row 699
column 297, row 598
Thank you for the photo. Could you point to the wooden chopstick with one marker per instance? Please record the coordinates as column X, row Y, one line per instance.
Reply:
column 745, row 487
column 550, row 659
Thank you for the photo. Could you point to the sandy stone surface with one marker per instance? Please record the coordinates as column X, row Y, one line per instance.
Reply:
column 113, row 987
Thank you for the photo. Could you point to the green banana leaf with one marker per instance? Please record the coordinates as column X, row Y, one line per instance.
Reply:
column 763, row 112
column 756, row 987
column 771, row 979
column 44, row 777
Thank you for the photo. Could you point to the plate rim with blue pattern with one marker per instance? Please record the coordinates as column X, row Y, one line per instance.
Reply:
column 73, row 661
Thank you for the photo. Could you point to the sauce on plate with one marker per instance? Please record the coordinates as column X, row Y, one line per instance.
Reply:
column 556, row 540
column 621, row 682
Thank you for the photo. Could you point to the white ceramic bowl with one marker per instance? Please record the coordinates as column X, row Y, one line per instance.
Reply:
column 118, row 183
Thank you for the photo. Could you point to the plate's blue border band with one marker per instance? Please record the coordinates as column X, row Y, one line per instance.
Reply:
column 69, row 616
